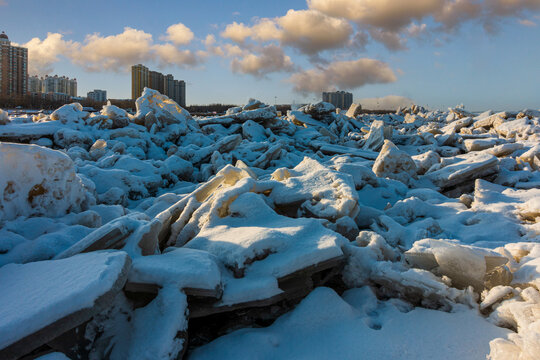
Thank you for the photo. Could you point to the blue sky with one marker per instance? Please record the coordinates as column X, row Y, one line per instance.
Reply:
column 439, row 53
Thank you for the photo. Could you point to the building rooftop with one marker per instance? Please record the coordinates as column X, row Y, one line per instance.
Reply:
column 4, row 37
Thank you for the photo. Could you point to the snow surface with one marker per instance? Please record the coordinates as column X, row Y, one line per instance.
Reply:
column 327, row 326
column 435, row 213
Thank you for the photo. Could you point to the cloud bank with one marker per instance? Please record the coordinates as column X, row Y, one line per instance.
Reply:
column 343, row 75
column 115, row 53
column 308, row 31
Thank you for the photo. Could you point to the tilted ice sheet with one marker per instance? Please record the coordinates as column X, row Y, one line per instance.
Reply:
column 37, row 294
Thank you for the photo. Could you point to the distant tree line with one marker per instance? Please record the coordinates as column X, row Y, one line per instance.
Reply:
column 222, row 108
column 46, row 103
column 209, row 109
column 31, row 102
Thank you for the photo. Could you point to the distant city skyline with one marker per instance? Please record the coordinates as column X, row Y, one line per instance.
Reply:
column 436, row 53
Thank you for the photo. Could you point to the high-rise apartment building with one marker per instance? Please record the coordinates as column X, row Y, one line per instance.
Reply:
column 142, row 77
column 58, row 84
column 340, row 99
column 139, row 80
column 35, row 84
column 52, row 85
column 13, row 68
column 182, row 93
column 157, row 81
column 97, row 95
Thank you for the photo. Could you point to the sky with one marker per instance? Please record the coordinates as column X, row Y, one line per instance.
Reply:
column 484, row 54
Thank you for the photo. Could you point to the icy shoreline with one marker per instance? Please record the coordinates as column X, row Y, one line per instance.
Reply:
column 231, row 221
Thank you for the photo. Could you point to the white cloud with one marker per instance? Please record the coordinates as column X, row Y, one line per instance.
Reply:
column 392, row 40
column 168, row 54
column 309, row 31
column 231, row 50
column 237, row 32
column 386, row 14
column 312, row 31
column 343, row 75
column 270, row 59
column 389, row 21
column 511, row 7
column 266, row 29
column 210, row 40
column 211, row 49
column 43, row 54
column 390, row 102
column 526, row 22
column 455, row 12
column 415, row 30
column 114, row 52
column 179, row 34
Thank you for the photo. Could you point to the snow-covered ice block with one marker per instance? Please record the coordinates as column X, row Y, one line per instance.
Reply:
column 426, row 160
column 480, row 144
column 491, row 121
column 69, row 113
column 394, row 164
column 314, row 190
column 4, row 117
column 162, row 108
column 495, row 295
column 194, row 271
column 464, row 264
column 457, row 125
column 260, row 247
column 253, row 131
column 110, row 235
column 531, row 157
column 41, row 300
column 521, row 313
column 332, row 149
column 362, row 175
column 318, row 111
column 467, row 168
column 377, row 133
column 301, row 119
column 260, row 115
column 119, row 117
column 30, row 131
column 254, row 239
column 520, row 128
column 354, row 110
column 504, row 149
column 36, row 180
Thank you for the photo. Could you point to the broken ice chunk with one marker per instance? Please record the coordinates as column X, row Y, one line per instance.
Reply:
column 465, row 265
column 186, row 268
column 44, row 299
column 69, row 113
column 312, row 189
column 40, row 181
column 253, row 238
column 162, row 109
column 394, row 164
